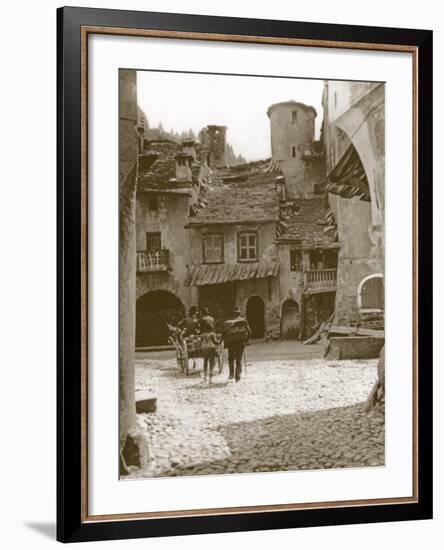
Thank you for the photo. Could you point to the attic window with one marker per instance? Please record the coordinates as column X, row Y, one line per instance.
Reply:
column 294, row 117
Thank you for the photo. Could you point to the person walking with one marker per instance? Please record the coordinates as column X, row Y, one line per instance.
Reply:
column 236, row 335
column 208, row 344
column 206, row 321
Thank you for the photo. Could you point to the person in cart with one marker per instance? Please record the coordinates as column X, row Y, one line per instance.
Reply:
column 190, row 323
column 236, row 335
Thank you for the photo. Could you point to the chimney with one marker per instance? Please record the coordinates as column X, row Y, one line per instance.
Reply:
column 183, row 168
column 280, row 187
column 189, row 148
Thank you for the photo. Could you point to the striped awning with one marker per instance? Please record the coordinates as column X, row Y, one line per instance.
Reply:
column 207, row 274
column 348, row 178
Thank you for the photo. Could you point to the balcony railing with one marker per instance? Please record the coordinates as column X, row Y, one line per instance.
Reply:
column 152, row 260
column 320, row 280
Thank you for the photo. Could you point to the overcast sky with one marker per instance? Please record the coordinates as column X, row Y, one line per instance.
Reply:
column 182, row 101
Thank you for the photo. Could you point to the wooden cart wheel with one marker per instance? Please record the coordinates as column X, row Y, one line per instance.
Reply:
column 220, row 358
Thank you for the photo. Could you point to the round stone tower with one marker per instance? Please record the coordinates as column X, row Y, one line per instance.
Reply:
column 292, row 127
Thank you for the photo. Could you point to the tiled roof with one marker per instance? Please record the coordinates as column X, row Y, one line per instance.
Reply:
column 240, row 195
column 206, row 274
column 161, row 176
column 308, row 221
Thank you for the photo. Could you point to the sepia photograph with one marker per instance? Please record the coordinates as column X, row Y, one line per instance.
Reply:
column 251, row 274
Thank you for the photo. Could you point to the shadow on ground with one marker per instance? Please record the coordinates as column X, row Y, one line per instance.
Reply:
column 343, row 437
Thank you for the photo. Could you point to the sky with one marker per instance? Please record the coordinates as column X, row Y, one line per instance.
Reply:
column 183, row 100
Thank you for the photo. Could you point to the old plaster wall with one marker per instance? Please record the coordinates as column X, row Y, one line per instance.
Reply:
column 169, row 219
column 354, row 114
column 286, row 134
column 239, row 292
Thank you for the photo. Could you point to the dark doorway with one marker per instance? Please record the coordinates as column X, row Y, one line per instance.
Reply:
column 219, row 299
column 256, row 316
column 153, row 311
column 291, row 320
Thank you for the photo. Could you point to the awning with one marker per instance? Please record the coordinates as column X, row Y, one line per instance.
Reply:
column 207, row 274
column 348, row 178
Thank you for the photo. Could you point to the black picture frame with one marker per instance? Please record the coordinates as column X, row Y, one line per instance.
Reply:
column 72, row 524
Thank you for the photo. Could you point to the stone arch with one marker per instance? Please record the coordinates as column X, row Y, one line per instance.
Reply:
column 290, row 320
column 255, row 313
column 371, row 293
column 361, row 124
column 154, row 310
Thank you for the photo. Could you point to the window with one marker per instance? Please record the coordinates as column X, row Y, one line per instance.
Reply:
column 371, row 293
column 153, row 203
column 295, row 260
column 247, row 247
column 153, row 241
column 293, row 151
column 213, row 249
column 294, row 117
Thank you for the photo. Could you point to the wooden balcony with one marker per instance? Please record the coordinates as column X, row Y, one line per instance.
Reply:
column 150, row 261
column 320, row 280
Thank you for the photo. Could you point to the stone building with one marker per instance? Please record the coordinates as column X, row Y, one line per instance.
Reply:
column 167, row 190
column 306, row 237
column 308, row 256
column 268, row 236
column 233, row 254
column 293, row 147
column 353, row 133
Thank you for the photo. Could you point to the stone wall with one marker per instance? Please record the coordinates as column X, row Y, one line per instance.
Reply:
column 291, row 137
column 354, row 114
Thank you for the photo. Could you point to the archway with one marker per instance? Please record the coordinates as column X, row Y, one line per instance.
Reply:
column 371, row 293
column 256, row 316
column 153, row 311
column 291, row 321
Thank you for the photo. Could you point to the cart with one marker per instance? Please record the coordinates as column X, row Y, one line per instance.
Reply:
column 188, row 347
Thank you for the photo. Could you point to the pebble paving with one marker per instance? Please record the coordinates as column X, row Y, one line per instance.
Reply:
column 283, row 415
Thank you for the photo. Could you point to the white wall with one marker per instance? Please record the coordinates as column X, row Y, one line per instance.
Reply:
column 27, row 301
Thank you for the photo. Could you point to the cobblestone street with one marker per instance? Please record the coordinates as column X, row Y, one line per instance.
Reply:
column 285, row 414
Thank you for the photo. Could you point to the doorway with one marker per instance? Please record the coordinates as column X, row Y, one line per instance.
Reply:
column 153, row 311
column 291, row 320
column 256, row 316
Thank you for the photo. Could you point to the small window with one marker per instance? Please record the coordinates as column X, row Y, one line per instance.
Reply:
column 213, row 249
column 247, row 247
column 371, row 293
column 294, row 117
column 153, row 203
column 293, row 151
column 153, row 241
column 295, row 260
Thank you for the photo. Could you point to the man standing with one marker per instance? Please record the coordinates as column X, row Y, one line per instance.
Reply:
column 236, row 335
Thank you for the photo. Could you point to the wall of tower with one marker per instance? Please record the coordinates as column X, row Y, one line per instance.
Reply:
column 292, row 127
